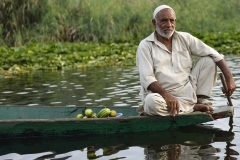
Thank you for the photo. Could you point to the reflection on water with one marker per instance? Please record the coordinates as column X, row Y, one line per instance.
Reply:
column 115, row 87
column 183, row 143
column 177, row 151
column 98, row 87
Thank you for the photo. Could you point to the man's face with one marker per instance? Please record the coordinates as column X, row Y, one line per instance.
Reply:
column 165, row 22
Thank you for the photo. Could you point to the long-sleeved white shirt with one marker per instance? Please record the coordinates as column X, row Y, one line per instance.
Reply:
column 171, row 69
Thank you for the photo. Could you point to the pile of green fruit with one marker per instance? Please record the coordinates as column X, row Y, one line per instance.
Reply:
column 103, row 113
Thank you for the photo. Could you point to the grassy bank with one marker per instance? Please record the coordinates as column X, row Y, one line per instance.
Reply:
column 104, row 21
column 58, row 34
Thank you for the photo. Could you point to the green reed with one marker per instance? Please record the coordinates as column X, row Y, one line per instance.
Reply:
column 29, row 21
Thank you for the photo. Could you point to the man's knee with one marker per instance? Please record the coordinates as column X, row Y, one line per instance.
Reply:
column 154, row 99
column 154, row 104
column 207, row 61
column 150, row 99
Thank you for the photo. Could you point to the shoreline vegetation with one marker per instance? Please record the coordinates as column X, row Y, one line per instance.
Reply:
column 56, row 35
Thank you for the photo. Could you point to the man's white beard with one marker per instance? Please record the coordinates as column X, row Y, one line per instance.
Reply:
column 161, row 33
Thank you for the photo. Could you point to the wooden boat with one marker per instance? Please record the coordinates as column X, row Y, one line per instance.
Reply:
column 42, row 121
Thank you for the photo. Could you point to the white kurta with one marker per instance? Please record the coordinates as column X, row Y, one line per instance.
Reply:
column 172, row 70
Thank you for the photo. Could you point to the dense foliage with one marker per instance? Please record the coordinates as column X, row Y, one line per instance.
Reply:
column 57, row 34
column 104, row 21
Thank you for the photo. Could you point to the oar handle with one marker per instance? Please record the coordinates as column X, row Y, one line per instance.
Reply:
column 225, row 88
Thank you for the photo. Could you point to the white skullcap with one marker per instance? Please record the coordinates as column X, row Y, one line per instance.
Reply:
column 159, row 8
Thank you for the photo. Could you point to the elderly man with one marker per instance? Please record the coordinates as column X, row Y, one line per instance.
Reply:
column 170, row 85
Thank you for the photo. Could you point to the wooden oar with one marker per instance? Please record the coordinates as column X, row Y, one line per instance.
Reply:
column 225, row 88
column 230, row 104
column 228, row 98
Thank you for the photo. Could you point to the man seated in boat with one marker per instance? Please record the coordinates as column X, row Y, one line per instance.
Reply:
column 170, row 85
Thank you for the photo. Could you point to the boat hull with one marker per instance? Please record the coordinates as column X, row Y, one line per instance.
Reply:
column 68, row 125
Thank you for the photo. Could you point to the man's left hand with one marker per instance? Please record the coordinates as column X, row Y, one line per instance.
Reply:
column 231, row 86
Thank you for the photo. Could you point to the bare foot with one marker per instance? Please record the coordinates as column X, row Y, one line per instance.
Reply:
column 202, row 108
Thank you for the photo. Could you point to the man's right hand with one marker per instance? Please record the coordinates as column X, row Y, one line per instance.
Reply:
column 172, row 104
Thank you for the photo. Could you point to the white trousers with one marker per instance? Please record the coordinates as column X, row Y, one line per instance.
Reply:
column 205, row 73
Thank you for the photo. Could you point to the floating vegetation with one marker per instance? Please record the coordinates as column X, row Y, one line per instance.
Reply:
column 58, row 56
column 66, row 55
column 13, row 71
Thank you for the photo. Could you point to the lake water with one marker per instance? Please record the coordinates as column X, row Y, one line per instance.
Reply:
column 115, row 87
